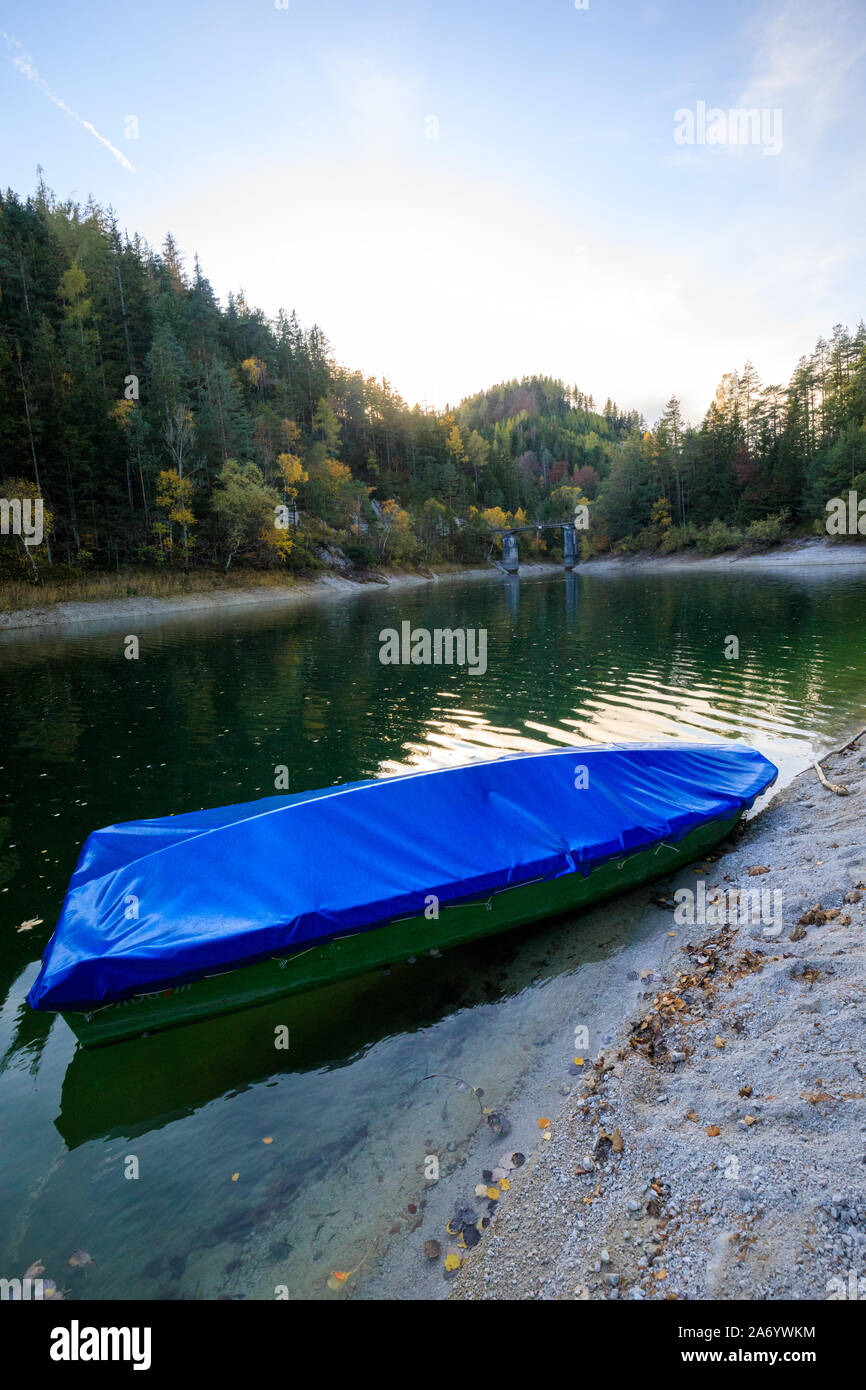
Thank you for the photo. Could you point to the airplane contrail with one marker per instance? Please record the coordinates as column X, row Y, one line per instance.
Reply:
column 24, row 64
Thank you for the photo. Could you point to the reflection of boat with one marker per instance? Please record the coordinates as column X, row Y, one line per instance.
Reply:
column 174, row 920
column 326, row 1029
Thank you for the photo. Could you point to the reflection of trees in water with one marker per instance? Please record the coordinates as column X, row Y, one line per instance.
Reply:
column 794, row 638
column 221, row 703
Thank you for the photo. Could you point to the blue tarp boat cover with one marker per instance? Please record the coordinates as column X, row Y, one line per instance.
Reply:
column 156, row 903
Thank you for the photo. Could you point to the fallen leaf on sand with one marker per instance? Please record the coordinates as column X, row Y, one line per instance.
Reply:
column 692, row 1115
column 758, row 869
column 713, row 1131
column 745, row 1090
column 749, row 1119
column 339, row 1276
column 720, row 1042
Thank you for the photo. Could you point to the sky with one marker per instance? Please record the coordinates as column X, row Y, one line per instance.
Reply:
column 466, row 191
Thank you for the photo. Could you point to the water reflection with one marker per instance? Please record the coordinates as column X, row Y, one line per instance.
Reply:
column 203, row 718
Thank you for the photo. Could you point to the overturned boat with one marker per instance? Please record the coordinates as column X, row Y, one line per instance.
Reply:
column 181, row 918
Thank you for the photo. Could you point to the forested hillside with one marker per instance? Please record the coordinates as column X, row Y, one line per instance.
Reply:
column 165, row 430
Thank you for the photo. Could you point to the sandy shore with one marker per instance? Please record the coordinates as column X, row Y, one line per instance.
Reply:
column 324, row 587
column 799, row 555
column 793, row 555
column 717, row 1149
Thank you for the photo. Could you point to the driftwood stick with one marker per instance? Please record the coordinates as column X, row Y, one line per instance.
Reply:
column 831, row 786
column 835, row 786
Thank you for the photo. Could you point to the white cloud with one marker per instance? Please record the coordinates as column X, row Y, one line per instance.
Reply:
column 804, row 53
column 422, row 270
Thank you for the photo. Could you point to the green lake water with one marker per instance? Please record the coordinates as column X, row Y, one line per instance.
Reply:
column 213, row 704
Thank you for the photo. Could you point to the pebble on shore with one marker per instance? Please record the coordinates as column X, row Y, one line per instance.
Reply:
column 742, row 1167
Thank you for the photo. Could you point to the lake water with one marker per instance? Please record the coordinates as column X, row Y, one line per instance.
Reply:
column 257, row 1169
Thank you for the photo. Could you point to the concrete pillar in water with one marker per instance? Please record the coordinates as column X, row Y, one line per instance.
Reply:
column 509, row 552
column 568, row 546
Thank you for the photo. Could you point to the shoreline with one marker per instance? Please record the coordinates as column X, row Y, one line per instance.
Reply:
column 715, row 1149
column 791, row 556
column 327, row 587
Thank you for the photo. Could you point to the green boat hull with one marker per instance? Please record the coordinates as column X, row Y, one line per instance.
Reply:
column 310, row 968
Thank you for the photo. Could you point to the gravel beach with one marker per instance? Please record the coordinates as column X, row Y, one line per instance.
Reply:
column 803, row 556
column 717, row 1149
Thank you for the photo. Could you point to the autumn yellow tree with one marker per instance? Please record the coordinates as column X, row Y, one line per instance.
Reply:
column 396, row 539
column 332, row 492
column 293, row 474
column 495, row 518
column 256, row 373
column 245, row 513
column 19, row 498
column 173, row 497
column 79, row 308
column 477, row 454
column 455, row 446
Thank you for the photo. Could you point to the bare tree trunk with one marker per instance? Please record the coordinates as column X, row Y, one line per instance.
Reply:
column 125, row 325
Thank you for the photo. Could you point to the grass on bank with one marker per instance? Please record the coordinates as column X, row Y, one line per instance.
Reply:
column 59, row 586
column 16, row 596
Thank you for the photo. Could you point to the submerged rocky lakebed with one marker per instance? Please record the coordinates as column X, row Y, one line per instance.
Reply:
column 260, row 1172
